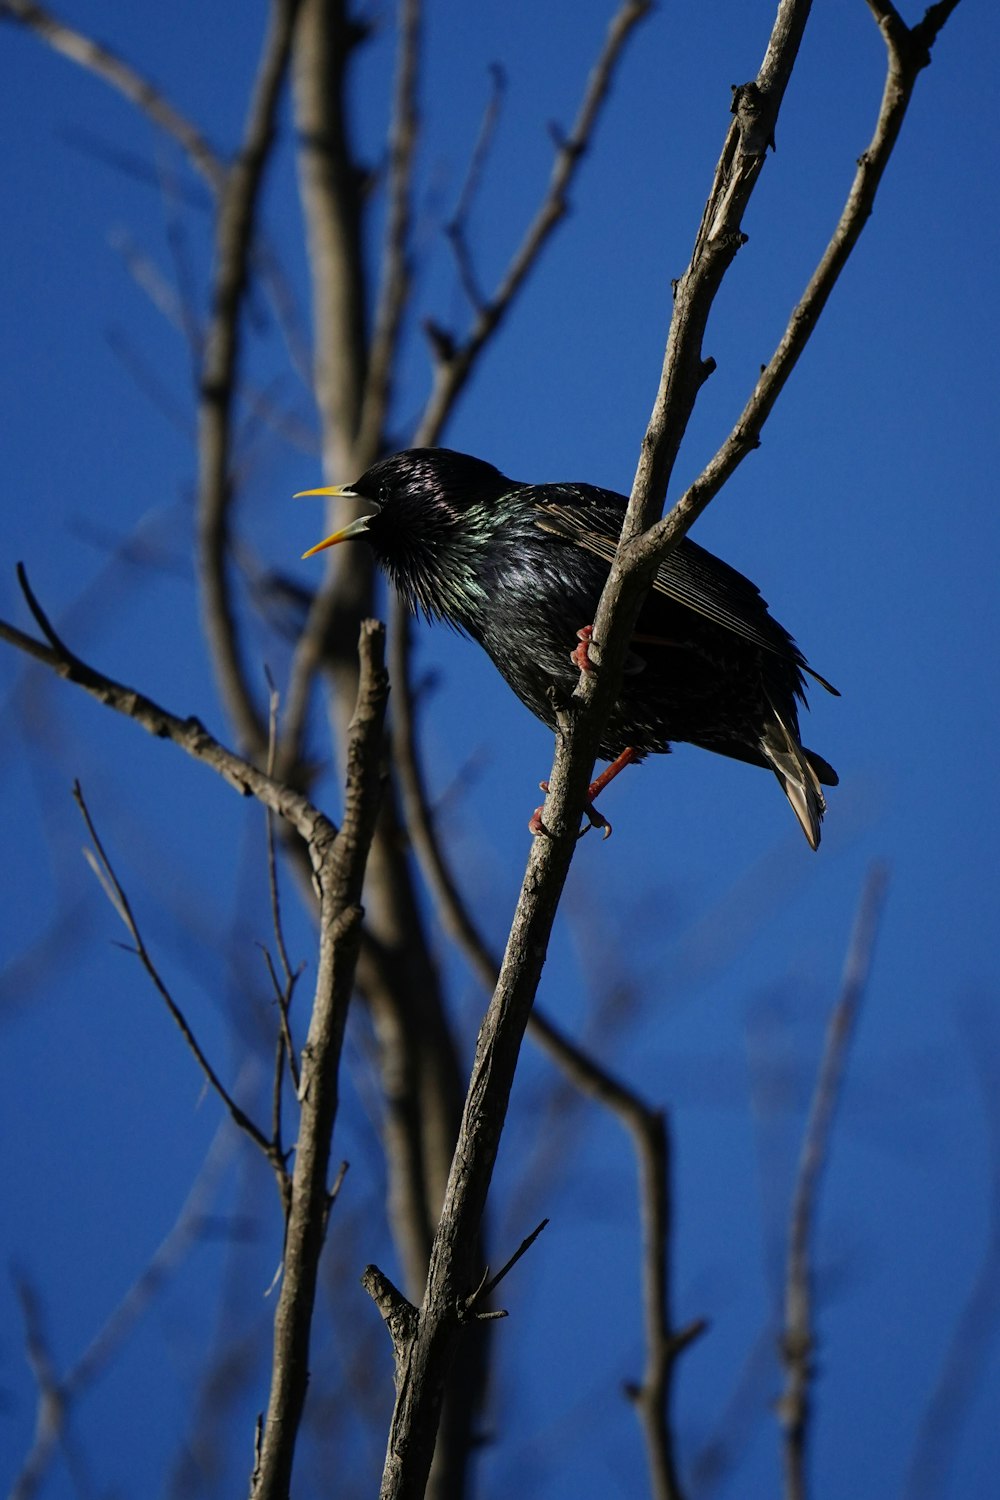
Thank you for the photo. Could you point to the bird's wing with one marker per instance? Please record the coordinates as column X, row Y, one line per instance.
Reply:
column 690, row 576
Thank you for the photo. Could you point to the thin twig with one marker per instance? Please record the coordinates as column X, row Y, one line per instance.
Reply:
column 482, row 146
column 189, row 734
column 283, row 992
column 119, row 900
column 457, row 227
column 798, row 1339
column 452, row 373
column 489, row 1287
column 282, row 998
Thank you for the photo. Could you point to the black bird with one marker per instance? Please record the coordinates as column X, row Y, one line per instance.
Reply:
column 520, row 568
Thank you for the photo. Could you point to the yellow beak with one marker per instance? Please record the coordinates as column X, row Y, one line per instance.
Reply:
column 355, row 528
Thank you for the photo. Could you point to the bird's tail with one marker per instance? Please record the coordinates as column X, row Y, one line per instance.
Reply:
column 799, row 773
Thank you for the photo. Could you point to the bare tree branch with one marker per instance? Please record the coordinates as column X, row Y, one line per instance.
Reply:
column 798, row 1340
column 647, row 1126
column 908, row 53
column 354, row 396
column 684, row 371
column 125, row 79
column 422, row 1372
column 643, row 544
column 340, row 882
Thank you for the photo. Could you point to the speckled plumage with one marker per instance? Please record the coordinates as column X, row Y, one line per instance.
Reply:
column 520, row 568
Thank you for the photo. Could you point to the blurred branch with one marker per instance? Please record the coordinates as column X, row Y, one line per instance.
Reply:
column 665, row 1343
column 238, row 202
column 151, row 101
column 960, row 1379
column 340, row 881
column 125, row 79
column 52, row 1411
column 449, row 902
column 57, row 1397
column 457, row 227
column 455, row 360
column 396, row 273
column 712, row 1466
column 798, row 1340
column 330, row 190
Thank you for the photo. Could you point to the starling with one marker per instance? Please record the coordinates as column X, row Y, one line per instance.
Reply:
column 520, row 569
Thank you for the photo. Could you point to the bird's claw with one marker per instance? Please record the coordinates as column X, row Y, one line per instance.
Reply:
column 535, row 825
column 595, row 819
column 580, row 655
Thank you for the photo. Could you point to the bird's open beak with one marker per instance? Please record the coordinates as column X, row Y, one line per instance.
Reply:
column 355, row 528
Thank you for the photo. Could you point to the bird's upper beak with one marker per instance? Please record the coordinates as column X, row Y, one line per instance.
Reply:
column 354, row 528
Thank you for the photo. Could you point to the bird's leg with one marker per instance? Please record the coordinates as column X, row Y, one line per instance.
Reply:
column 596, row 819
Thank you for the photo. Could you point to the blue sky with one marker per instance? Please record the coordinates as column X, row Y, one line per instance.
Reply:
column 868, row 518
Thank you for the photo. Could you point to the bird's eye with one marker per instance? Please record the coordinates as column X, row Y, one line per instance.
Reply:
column 383, row 494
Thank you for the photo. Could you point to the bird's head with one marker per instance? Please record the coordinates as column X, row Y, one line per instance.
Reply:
column 432, row 509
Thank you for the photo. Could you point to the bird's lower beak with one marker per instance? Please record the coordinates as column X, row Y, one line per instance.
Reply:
column 354, row 528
